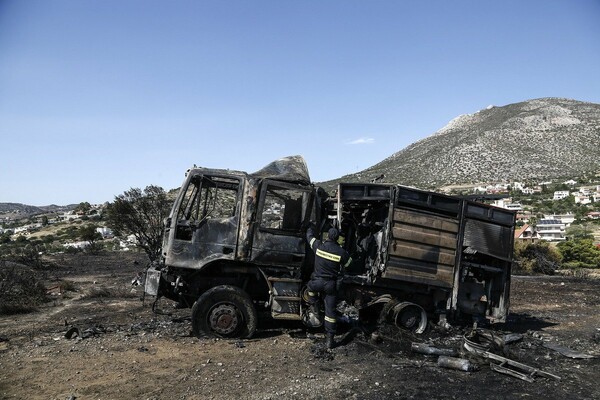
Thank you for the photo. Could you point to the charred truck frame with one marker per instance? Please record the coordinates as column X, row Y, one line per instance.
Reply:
column 235, row 243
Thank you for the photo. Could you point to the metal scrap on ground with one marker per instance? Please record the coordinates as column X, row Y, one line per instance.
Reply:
column 565, row 351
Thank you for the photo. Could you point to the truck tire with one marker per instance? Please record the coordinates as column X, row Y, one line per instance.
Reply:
column 224, row 311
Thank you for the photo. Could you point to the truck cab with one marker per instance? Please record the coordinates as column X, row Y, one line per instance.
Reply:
column 234, row 232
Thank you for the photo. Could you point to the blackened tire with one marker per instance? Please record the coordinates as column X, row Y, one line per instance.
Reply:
column 224, row 311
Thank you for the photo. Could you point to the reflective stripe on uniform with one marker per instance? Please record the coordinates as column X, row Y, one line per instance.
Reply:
column 329, row 319
column 312, row 294
column 328, row 256
column 348, row 263
column 312, row 241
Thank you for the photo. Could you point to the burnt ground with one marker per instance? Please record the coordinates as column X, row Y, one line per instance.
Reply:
column 125, row 351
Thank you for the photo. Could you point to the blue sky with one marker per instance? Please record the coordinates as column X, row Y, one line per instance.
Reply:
column 100, row 96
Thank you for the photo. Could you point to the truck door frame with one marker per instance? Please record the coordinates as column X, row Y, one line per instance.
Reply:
column 279, row 246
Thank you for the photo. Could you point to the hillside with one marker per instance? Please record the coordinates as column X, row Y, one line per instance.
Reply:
column 18, row 208
column 23, row 210
column 534, row 140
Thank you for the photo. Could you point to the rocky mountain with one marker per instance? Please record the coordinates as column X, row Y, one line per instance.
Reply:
column 535, row 140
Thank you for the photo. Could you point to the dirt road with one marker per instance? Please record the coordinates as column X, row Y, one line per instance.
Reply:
column 122, row 350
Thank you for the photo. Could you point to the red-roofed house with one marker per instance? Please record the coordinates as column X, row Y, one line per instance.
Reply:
column 593, row 215
column 527, row 233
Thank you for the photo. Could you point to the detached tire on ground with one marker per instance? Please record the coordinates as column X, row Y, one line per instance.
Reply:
column 224, row 311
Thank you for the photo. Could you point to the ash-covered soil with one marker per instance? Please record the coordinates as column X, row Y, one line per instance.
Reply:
column 122, row 350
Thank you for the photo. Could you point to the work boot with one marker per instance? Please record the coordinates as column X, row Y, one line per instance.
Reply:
column 330, row 341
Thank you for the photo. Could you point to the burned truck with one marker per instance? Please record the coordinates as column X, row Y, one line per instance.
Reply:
column 235, row 246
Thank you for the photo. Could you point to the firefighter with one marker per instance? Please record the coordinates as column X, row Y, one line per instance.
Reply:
column 329, row 260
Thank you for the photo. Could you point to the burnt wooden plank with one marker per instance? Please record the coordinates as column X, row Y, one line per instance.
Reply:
column 424, row 235
column 431, row 221
column 419, row 272
column 433, row 254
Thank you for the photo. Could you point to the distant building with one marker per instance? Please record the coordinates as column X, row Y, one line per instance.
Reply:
column 26, row 228
column 106, row 233
column 527, row 233
column 77, row 245
column 523, row 216
column 498, row 188
column 581, row 199
column 502, row 202
column 593, row 215
column 527, row 191
column 570, row 182
column 566, row 219
column 131, row 239
column 508, row 205
column 585, row 191
column 514, row 207
column 561, row 194
column 551, row 230
column 69, row 216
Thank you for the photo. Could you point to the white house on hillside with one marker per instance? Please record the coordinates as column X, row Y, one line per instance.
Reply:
column 566, row 219
column 551, row 230
column 561, row 194
column 528, row 191
column 508, row 204
column 105, row 232
column 582, row 199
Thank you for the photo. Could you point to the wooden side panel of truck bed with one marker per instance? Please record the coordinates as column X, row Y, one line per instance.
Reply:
column 422, row 248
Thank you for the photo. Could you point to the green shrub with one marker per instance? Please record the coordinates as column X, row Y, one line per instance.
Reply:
column 580, row 253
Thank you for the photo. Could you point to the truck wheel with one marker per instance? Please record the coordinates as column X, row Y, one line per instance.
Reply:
column 410, row 316
column 224, row 311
